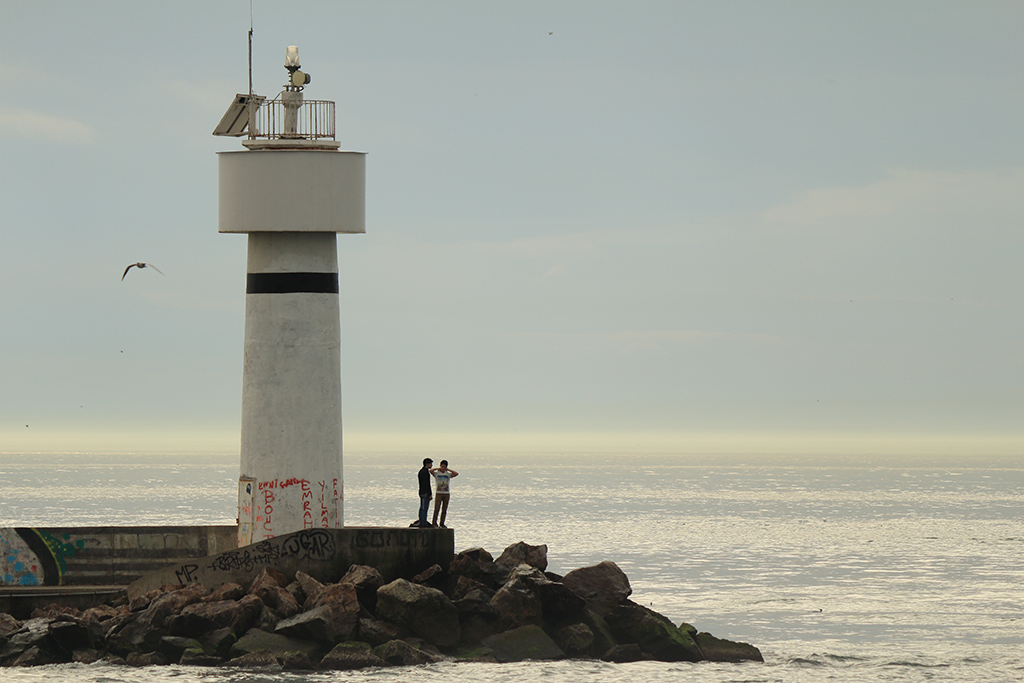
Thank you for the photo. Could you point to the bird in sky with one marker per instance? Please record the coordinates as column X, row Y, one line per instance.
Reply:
column 141, row 265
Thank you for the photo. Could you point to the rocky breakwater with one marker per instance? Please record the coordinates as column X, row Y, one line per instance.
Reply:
column 479, row 609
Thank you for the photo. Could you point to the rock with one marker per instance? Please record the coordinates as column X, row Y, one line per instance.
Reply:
column 432, row 576
column 349, row 656
column 377, row 632
column 141, row 602
column 261, row 641
column 203, row 617
column 427, row 612
column 87, row 656
column 35, row 656
column 477, row 618
column 33, row 633
column 8, row 624
column 297, row 592
column 576, row 640
column 268, row 576
column 522, row 553
column 144, row 629
column 256, row 660
column 401, row 653
column 146, row 659
column 720, row 650
column 655, row 634
column 516, row 605
column 276, row 598
column 604, row 586
column 297, row 661
column 267, row 620
column 477, row 564
column 219, row 641
column 341, row 610
column 621, row 654
column 312, row 625
column 310, row 586
column 226, row 591
column 459, row 586
column 174, row 646
column 559, row 603
column 604, row 639
column 366, row 580
column 103, row 613
column 250, row 609
column 525, row 642
column 53, row 611
column 72, row 634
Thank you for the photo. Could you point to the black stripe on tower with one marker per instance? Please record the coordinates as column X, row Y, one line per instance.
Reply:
column 287, row 283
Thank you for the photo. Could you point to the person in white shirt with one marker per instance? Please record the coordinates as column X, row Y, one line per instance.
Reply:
column 442, row 494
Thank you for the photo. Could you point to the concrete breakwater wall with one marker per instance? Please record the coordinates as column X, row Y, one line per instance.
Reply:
column 324, row 554
column 92, row 556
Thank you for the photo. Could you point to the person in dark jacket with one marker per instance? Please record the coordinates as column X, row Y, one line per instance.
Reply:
column 425, row 496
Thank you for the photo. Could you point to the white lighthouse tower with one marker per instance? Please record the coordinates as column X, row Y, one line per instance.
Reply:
column 291, row 190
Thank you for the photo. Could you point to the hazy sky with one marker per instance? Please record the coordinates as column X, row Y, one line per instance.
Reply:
column 682, row 226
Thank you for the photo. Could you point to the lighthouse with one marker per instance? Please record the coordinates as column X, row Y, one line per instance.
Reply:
column 291, row 190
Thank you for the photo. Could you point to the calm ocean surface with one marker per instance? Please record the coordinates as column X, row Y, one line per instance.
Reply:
column 852, row 570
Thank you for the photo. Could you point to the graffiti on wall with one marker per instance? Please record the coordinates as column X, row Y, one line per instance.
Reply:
column 312, row 544
column 33, row 557
column 319, row 502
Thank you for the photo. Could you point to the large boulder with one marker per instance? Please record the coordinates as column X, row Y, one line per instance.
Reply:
column 173, row 647
column 203, row 617
column 276, row 598
column 261, row 641
column 8, row 624
column 655, row 634
column 477, row 618
column 427, row 612
column 314, row 624
column 72, row 634
column 459, row 586
column 523, row 553
column 366, row 581
column 226, row 591
column 721, row 650
column 338, row 604
column 525, row 642
column 604, row 586
column 310, row 587
column 515, row 604
column 33, row 633
column 576, row 640
column 479, row 565
column 558, row 602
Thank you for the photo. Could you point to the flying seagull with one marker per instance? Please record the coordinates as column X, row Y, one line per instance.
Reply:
column 141, row 265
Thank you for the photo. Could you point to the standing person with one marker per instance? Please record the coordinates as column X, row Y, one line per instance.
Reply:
column 443, row 476
column 424, row 477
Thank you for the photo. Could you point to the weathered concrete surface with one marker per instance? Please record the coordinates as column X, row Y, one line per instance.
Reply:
column 324, row 554
column 93, row 556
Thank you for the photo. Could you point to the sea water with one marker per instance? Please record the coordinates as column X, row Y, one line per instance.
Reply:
column 865, row 569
